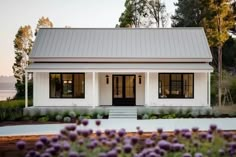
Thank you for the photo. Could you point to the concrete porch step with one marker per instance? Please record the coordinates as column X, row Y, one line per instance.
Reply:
column 123, row 113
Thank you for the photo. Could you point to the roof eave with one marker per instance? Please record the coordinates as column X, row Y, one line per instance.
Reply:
column 107, row 59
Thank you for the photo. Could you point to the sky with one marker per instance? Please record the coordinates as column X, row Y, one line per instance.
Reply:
column 73, row 13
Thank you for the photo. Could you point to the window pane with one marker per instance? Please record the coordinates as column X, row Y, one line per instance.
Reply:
column 118, row 88
column 164, row 85
column 55, row 85
column 129, row 86
column 67, row 85
column 188, row 85
column 176, row 85
column 79, row 85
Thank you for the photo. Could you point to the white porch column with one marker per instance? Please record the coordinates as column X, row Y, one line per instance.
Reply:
column 94, row 91
column 209, row 89
column 26, row 89
column 147, row 89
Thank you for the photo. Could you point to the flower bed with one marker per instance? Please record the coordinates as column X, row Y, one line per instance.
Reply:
column 187, row 113
column 80, row 141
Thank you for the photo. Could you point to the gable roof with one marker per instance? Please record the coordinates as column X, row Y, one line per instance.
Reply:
column 121, row 44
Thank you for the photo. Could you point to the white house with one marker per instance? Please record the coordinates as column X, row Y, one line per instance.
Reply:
column 120, row 67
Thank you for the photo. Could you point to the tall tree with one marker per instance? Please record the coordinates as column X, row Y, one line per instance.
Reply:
column 188, row 13
column 217, row 23
column 156, row 10
column 144, row 13
column 43, row 23
column 22, row 45
column 134, row 10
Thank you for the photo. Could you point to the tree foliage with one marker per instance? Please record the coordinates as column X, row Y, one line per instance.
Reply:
column 43, row 22
column 23, row 44
column 144, row 13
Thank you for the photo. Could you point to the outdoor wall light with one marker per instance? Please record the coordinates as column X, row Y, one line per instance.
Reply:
column 107, row 79
column 140, row 79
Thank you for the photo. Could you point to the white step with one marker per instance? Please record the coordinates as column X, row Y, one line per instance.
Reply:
column 123, row 113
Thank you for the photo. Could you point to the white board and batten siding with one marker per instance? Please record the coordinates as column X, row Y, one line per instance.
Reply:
column 104, row 92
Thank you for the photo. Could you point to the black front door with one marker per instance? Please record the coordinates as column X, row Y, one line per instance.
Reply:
column 123, row 88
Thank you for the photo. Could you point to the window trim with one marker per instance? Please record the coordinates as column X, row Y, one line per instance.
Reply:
column 182, row 74
column 62, row 86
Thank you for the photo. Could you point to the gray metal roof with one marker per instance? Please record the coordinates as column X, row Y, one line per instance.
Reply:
column 64, row 44
column 118, row 66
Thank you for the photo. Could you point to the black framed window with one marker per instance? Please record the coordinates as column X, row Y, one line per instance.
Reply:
column 67, row 85
column 176, row 85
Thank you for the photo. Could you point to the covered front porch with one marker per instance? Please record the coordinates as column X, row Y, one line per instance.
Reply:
column 121, row 84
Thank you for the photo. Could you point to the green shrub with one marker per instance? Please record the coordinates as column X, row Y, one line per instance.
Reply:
column 72, row 114
column 67, row 119
column 58, row 117
column 12, row 109
column 43, row 119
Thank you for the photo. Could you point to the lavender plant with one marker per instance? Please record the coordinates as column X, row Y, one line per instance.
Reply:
column 74, row 141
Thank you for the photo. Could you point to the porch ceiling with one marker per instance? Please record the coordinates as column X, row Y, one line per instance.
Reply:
column 119, row 67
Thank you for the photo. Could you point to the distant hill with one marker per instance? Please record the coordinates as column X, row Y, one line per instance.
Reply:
column 7, row 82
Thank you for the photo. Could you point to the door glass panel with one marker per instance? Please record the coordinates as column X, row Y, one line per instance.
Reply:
column 129, row 86
column 118, row 87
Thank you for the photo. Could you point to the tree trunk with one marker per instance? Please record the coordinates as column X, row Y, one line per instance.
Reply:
column 219, row 74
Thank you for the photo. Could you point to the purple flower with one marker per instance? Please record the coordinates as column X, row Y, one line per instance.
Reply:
column 175, row 140
column 98, row 122
column 127, row 148
column 227, row 135
column 85, row 122
column 66, row 146
column 112, row 153
column 153, row 154
column 177, row 146
column 51, row 150
column 209, row 137
column 149, row 142
column 177, row 131
column 164, row 136
column 163, row 144
column 121, row 132
column 187, row 155
column 70, row 127
column 44, row 139
column 198, row 155
column 73, row 154
column 140, row 132
column 55, row 139
column 98, row 133
column 32, row 153
column 195, row 129
column 107, row 132
column 85, row 133
column 57, row 146
column 21, row 145
column 134, row 140
column 203, row 135
column 73, row 136
column 213, row 127
column 46, row 154
column 39, row 145
column 159, row 130
column 188, row 135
